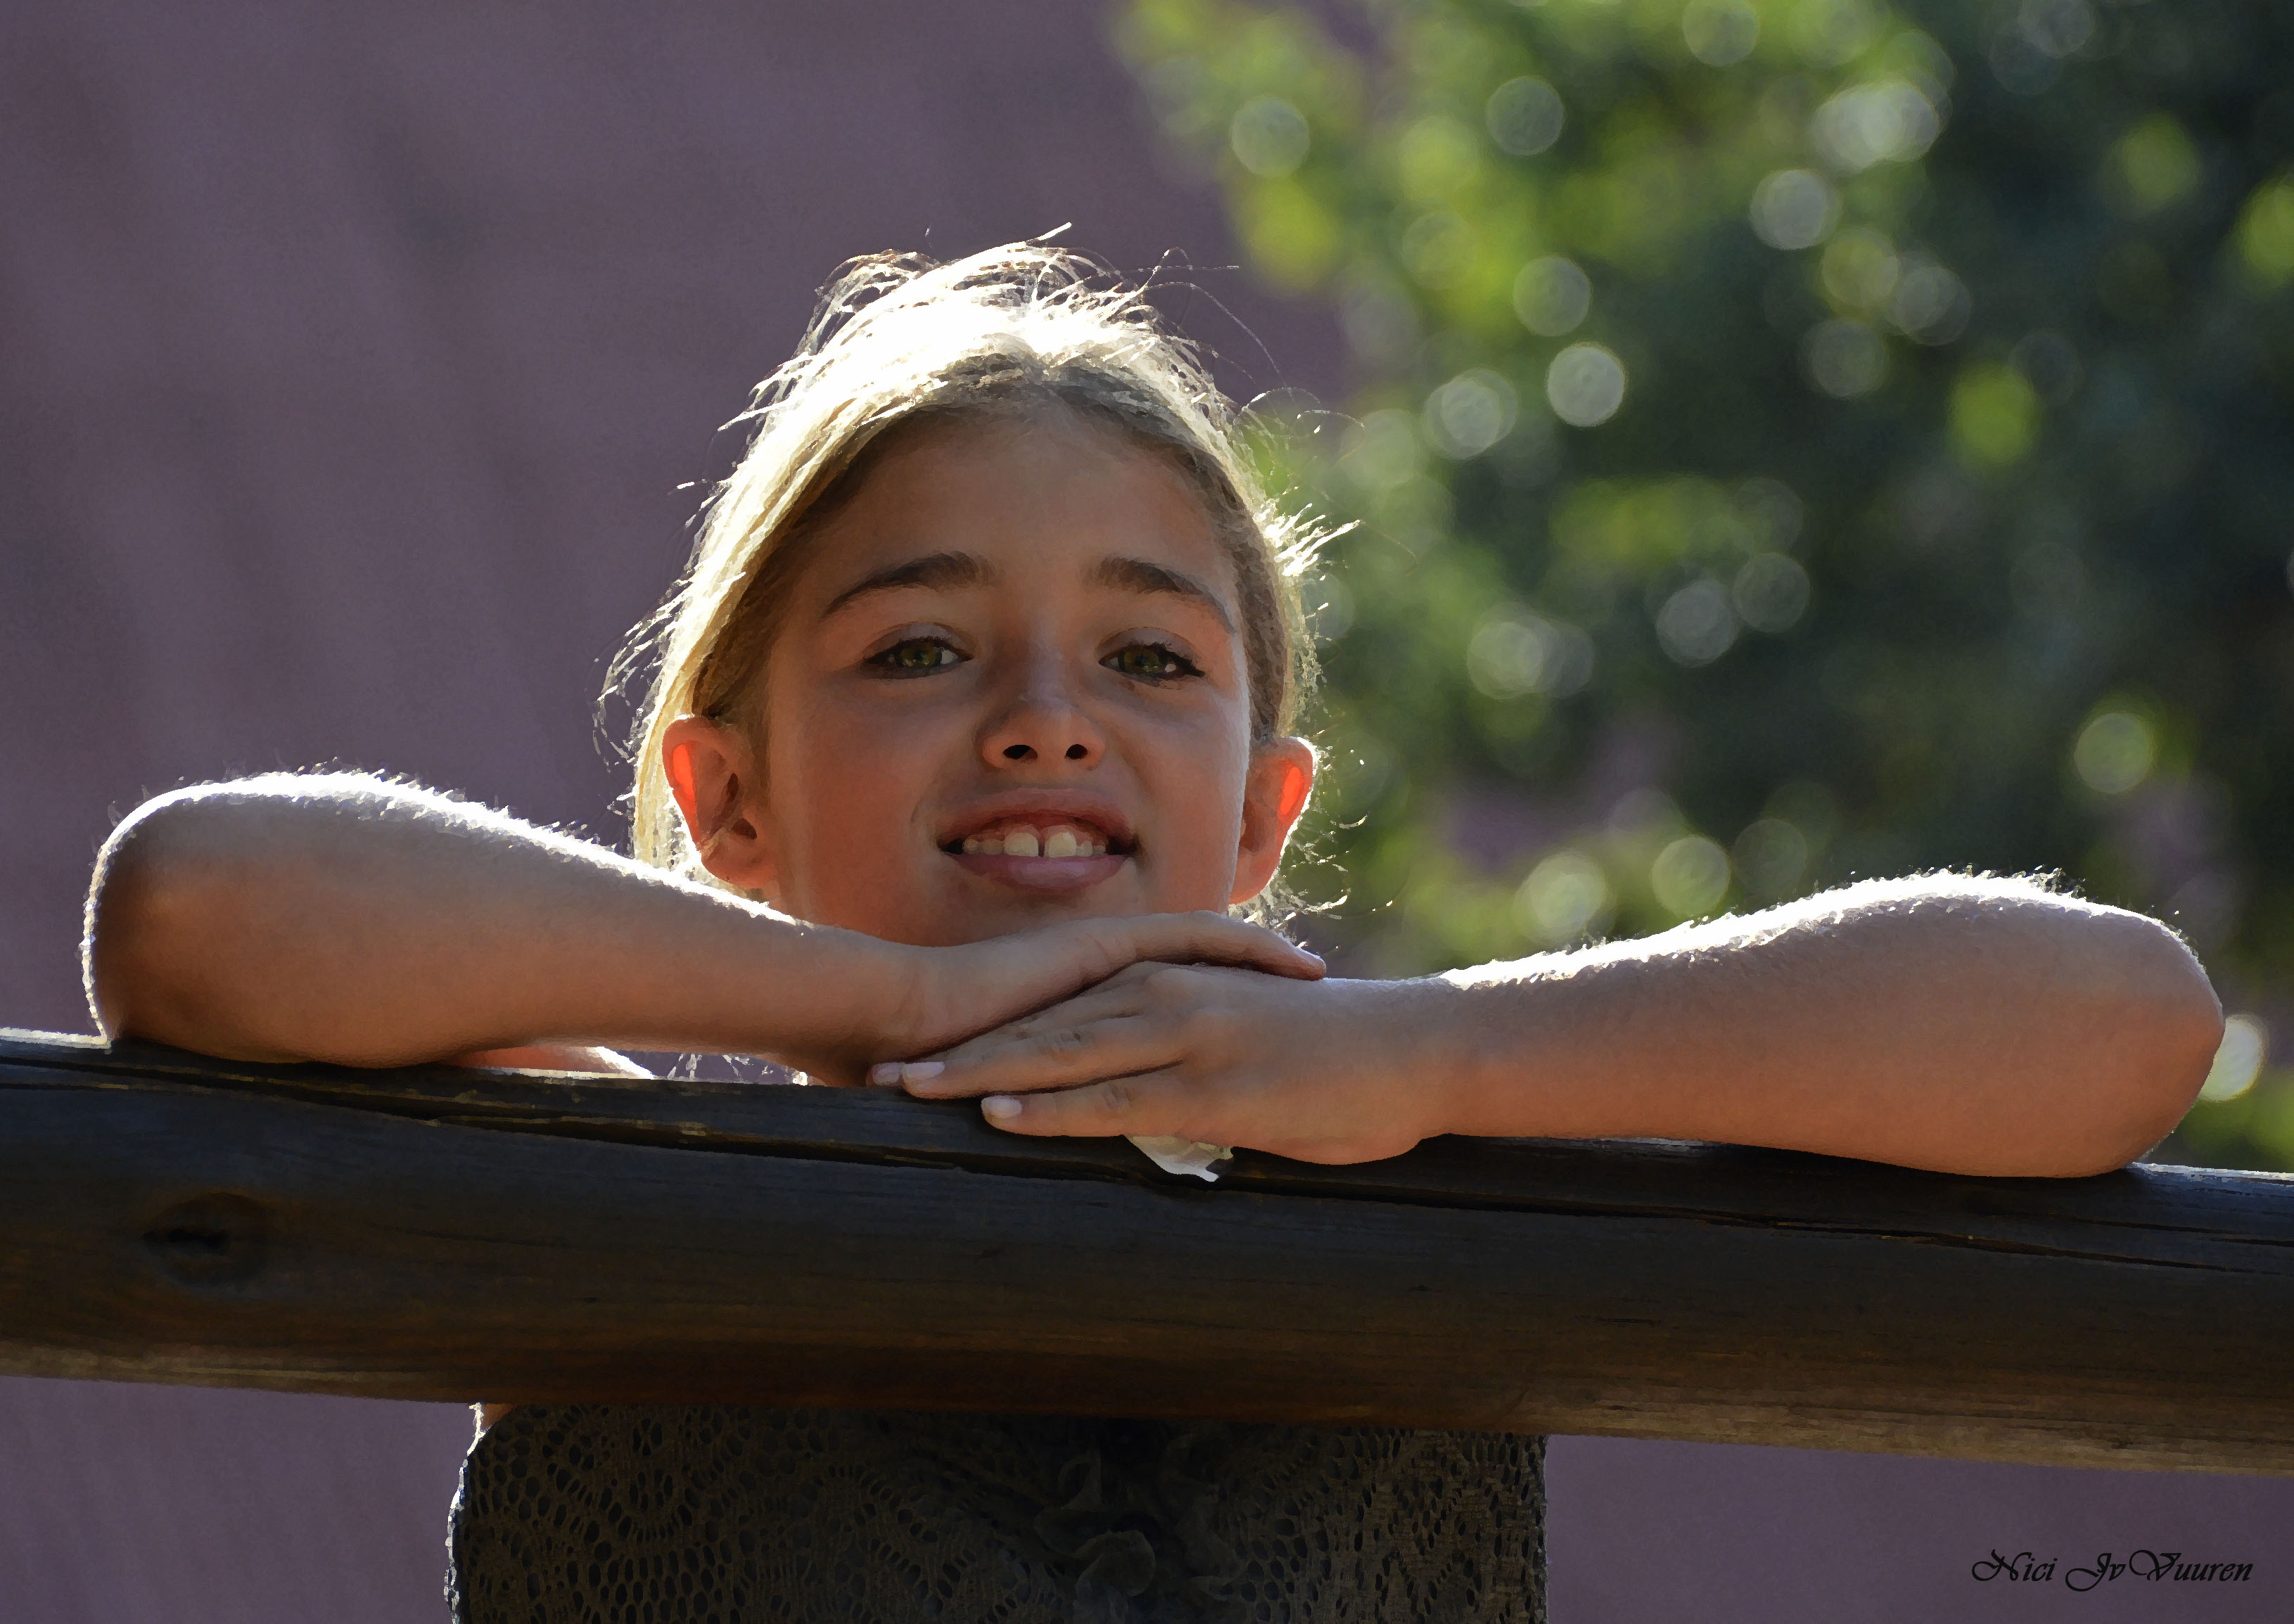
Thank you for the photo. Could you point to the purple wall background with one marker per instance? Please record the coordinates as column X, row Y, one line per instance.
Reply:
column 351, row 362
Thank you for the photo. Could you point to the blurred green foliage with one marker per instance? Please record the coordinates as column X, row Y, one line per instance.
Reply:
column 1794, row 440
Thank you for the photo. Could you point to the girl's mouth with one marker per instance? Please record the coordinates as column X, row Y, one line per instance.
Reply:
column 1040, row 853
column 1023, row 838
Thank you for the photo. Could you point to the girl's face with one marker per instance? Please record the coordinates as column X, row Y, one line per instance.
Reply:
column 1008, row 687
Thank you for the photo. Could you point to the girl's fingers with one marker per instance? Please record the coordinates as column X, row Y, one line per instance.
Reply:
column 971, row 991
column 1149, row 1102
column 1113, row 998
column 1213, row 938
column 1076, row 1049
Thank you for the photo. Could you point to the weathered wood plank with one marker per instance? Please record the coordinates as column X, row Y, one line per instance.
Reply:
column 437, row 1233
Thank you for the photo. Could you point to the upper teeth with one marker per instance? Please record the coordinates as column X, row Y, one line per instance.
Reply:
column 1027, row 841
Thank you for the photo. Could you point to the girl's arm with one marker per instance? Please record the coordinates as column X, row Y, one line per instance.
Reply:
column 340, row 918
column 1968, row 1025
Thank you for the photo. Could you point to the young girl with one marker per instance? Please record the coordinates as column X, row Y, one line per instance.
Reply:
column 973, row 717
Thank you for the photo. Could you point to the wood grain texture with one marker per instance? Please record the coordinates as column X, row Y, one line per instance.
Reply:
column 436, row 1233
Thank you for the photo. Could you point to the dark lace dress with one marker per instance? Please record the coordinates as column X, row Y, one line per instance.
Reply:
column 713, row 1515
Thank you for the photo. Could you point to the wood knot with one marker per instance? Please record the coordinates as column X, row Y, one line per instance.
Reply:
column 215, row 1240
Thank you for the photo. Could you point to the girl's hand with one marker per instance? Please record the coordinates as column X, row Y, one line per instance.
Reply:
column 949, row 994
column 1327, row 1071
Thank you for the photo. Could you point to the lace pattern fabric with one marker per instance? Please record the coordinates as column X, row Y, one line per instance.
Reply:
column 721, row 1515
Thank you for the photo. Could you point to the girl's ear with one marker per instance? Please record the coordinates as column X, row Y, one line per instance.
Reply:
column 713, row 772
column 1274, row 793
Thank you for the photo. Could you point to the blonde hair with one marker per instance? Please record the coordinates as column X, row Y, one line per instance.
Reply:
column 896, row 341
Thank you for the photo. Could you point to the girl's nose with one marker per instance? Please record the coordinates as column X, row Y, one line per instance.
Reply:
column 1042, row 723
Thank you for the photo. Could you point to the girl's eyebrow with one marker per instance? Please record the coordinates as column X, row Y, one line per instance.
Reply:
column 944, row 571
column 949, row 571
column 1139, row 575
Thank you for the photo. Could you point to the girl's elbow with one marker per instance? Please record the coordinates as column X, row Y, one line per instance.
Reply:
column 158, row 901
column 2181, row 1018
column 2161, row 1042
column 2187, row 1040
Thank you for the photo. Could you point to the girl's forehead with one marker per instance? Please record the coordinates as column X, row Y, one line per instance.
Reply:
column 1051, row 491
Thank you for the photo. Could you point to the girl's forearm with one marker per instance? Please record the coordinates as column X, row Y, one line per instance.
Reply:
column 1973, row 1026
column 344, row 919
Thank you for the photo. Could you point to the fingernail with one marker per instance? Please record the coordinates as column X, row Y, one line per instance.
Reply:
column 916, row 1071
column 887, row 1076
column 999, row 1107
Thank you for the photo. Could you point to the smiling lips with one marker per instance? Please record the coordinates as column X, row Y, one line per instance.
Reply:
column 1041, row 853
column 1025, row 840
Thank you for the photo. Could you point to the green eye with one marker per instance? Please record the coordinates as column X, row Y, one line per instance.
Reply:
column 915, row 656
column 1150, row 662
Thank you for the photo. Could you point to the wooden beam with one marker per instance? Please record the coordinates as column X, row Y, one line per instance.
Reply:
column 438, row 1233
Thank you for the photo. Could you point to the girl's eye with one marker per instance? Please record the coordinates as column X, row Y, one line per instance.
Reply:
column 915, row 656
column 1150, row 662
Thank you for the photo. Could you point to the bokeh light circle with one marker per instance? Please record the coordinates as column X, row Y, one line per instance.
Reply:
column 1269, row 137
column 1524, row 116
column 1565, row 898
column 2115, row 752
column 1794, row 208
column 1585, row 384
column 1690, row 876
column 2238, row 1060
column 1551, row 295
column 1719, row 33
